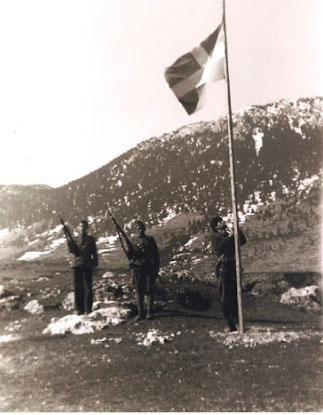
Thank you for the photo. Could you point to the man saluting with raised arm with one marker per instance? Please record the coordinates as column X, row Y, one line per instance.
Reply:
column 225, row 269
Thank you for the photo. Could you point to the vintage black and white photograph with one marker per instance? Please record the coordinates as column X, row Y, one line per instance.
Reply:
column 161, row 206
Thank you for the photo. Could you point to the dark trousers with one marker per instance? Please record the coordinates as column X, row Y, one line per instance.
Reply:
column 83, row 293
column 228, row 291
column 230, row 307
column 140, row 303
column 143, row 280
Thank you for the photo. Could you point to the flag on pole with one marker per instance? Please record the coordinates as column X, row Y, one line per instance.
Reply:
column 190, row 75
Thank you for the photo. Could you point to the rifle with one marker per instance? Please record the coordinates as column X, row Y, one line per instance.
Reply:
column 121, row 233
column 70, row 240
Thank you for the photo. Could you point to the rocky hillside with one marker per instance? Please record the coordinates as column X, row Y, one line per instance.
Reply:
column 278, row 151
column 19, row 202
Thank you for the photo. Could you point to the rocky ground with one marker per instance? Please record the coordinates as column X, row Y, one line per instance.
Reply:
column 180, row 361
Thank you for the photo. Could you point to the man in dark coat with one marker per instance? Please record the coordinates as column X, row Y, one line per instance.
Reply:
column 85, row 260
column 217, row 235
column 144, row 266
column 225, row 269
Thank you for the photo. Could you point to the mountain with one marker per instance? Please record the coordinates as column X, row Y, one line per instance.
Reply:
column 277, row 151
column 18, row 202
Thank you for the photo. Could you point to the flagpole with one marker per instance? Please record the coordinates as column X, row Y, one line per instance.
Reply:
column 232, row 177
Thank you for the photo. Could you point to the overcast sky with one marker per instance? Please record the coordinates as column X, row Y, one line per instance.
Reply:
column 82, row 81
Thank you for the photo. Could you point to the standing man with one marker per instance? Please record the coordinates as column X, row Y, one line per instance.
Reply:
column 144, row 266
column 225, row 269
column 86, row 259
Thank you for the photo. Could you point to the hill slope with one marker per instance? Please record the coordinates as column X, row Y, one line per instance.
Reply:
column 277, row 148
column 278, row 173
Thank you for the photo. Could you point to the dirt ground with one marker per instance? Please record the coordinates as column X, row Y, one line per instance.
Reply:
column 110, row 371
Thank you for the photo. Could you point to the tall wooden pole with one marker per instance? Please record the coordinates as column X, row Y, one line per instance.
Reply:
column 232, row 177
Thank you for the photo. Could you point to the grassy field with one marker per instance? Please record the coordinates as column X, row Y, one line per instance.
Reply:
column 200, row 369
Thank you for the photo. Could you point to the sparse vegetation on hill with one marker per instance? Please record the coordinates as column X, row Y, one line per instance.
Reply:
column 187, row 170
column 278, row 151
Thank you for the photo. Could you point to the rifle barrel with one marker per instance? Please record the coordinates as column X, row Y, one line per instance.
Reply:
column 121, row 233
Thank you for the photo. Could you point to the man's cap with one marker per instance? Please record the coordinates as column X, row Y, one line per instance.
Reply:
column 140, row 224
column 214, row 221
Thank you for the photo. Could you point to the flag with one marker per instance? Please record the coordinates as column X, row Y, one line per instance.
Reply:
column 190, row 75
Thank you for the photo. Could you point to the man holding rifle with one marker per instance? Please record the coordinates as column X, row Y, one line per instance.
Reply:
column 142, row 253
column 85, row 259
column 144, row 266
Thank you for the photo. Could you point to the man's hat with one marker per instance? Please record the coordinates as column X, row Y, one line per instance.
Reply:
column 140, row 224
column 214, row 221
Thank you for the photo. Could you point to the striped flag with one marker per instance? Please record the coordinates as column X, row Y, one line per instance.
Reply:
column 190, row 75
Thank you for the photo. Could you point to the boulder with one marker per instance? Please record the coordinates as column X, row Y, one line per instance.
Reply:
column 265, row 287
column 12, row 302
column 6, row 338
column 306, row 298
column 68, row 302
column 108, row 274
column 262, row 288
column 2, row 291
column 34, row 307
column 153, row 336
column 111, row 314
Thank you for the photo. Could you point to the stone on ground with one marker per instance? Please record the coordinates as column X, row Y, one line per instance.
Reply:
column 306, row 298
column 111, row 314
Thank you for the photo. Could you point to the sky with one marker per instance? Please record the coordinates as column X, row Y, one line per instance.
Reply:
column 82, row 81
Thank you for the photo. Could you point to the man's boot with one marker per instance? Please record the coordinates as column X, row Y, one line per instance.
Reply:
column 233, row 326
column 233, row 316
column 227, row 317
